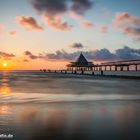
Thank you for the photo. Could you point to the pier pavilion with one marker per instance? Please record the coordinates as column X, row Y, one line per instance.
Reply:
column 80, row 64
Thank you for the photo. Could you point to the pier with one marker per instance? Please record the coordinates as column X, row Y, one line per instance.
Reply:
column 82, row 64
column 127, row 68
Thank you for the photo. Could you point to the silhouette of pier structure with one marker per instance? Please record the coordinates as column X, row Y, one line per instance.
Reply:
column 118, row 69
column 81, row 64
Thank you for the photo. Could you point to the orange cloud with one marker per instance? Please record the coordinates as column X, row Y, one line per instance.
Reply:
column 29, row 23
column 56, row 22
column 12, row 33
column 128, row 24
column 53, row 10
column 83, row 22
column 104, row 29
column 6, row 56
column 87, row 24
column 124, row 17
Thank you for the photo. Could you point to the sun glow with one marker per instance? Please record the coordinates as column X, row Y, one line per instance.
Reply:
column 5, row 65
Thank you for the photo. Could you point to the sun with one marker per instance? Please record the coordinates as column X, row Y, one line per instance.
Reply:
column 5, row 65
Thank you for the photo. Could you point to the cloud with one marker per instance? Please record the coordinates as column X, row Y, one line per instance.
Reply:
column 124, row 17
column 57, row 7
column 12, row 33
column 25, row 60
column 57, row 23
column 61, row 55
column 83, row 22
column 128, row 53
column 6, row 56
column 81, row 6
column 87, row 24
column 30, row 55
column 125, row 53
column 29, row 23
column 97, row 55
column 128, row 24
column 104, row 29
column 53, row 10
column 77, row 46
column 50, row 7
column 132, row 31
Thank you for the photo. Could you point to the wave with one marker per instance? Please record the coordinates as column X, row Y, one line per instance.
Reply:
column 64, row 98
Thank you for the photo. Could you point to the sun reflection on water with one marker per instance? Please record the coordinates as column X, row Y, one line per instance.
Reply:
column 4, row 109
column 4, row 84
column 4, row 90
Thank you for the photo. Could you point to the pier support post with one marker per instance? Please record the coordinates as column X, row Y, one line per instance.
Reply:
column 115, row 68
column 136, row 68
column 102, row 72
column 121, row 68
column 72, row 71
column 127, row 68
column 110, row 68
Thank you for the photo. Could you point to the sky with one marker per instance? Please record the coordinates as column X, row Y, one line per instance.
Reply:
column 36, row 34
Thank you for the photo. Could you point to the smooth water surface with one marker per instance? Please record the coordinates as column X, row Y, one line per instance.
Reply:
column 35, row 105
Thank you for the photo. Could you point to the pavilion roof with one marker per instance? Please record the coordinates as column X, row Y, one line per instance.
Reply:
column 81, row 61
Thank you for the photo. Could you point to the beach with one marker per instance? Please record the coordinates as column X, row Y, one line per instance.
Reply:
column 36, row 105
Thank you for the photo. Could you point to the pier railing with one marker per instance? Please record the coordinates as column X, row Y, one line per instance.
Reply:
column 128, row 62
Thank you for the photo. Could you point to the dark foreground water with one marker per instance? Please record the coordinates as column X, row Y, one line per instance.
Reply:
column 41, row 106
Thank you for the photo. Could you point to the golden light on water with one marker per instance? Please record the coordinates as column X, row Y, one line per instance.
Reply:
column 4, row 110
column 4, row 90
column 4, row 86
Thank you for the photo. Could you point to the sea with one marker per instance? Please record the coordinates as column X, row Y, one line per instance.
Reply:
column 54, row 106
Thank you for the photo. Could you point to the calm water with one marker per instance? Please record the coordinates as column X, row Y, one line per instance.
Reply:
column 35, row 105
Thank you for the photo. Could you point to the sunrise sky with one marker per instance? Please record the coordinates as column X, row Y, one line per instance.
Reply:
column 49, row 34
